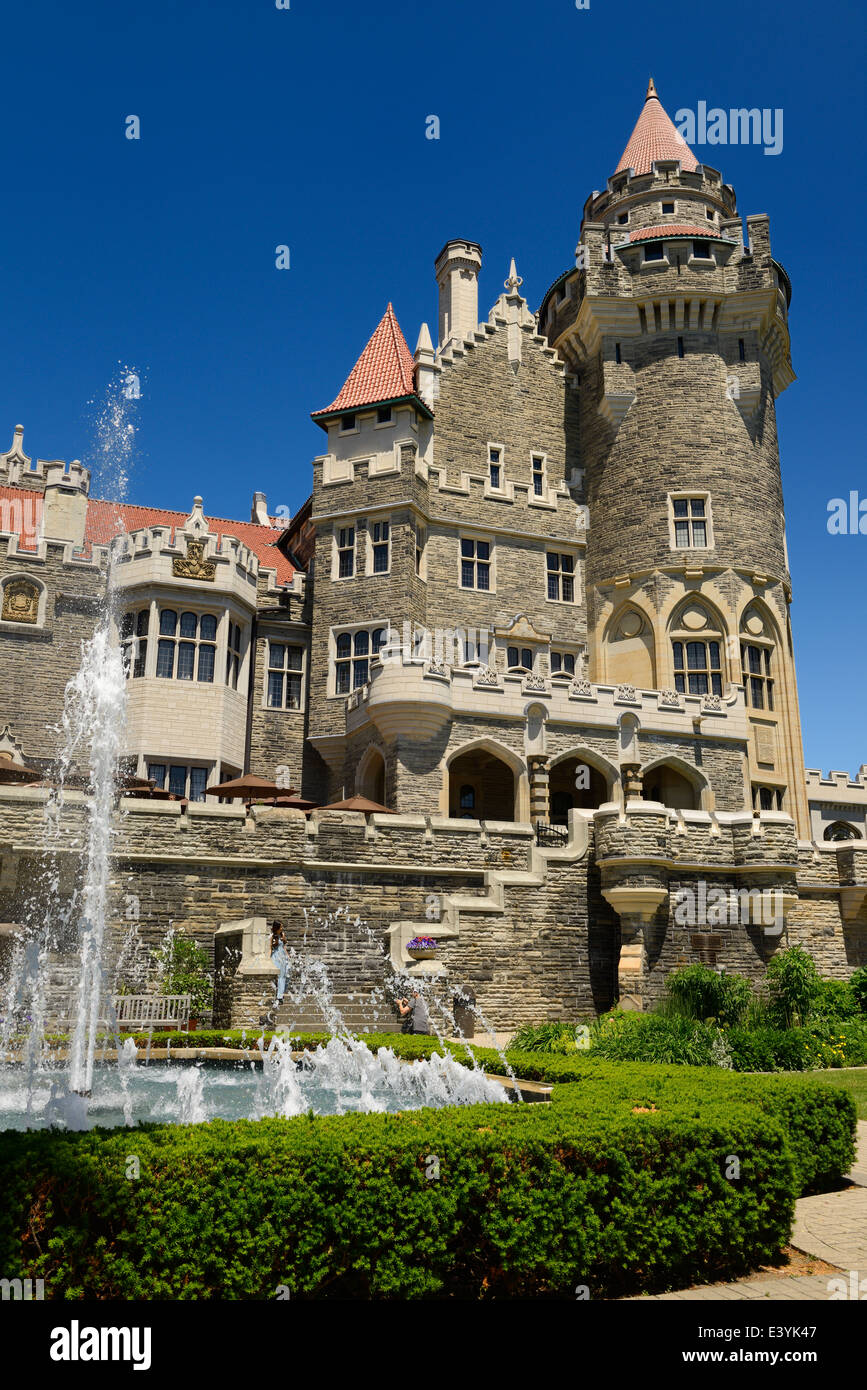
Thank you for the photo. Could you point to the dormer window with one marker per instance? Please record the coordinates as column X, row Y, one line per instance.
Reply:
column 667, row 208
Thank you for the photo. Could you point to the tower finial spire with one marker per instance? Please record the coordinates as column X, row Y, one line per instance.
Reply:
column 515, row 281
column 651, row 91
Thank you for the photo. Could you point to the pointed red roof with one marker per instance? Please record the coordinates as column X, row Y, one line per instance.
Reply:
column 385, row 371
column 655, row 137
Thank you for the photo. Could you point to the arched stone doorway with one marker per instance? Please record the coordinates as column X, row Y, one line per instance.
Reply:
column 666, row 783
column 574, row 782
column 370, row 781
column 481, row 786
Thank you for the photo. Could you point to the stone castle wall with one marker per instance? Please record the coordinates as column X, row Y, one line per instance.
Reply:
column 530, row 931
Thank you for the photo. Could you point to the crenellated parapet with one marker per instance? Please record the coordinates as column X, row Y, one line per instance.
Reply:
column 188, row 557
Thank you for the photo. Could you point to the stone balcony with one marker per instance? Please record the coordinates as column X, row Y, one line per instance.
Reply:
column 412, row 694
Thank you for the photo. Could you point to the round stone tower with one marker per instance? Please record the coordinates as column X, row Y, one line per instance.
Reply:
column 676, row 332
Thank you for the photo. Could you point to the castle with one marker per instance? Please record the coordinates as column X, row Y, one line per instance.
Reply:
column 537, row 605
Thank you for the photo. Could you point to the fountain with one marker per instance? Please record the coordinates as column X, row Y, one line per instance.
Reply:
column 38, row 1088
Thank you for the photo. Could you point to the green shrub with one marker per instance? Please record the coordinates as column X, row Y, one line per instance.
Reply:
column 858, row 986
column 834, row 1000
column 561, row 1038
column 634, row 1037
column 183, row 966
column 700, row 993
column 793, row 983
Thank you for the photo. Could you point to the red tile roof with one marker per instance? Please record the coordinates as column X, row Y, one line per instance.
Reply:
column 21, row 513
column 706, row 233
column 655, row 137
column 385, row 371
column 107, row 519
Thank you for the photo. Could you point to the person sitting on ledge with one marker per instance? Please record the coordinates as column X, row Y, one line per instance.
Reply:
column 414, row 1013
column 280, row 957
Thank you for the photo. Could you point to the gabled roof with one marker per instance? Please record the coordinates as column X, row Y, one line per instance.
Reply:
column 385, row 371
column 108, row 519
column 655, row 137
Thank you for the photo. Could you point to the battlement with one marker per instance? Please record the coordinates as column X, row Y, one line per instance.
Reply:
column 18, row 469
column 817, row 782
column 665, row 174
column 410, row 692
column 166, row 554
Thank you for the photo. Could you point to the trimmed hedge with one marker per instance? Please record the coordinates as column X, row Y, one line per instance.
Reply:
column 526, row 1204
column 620, row 1185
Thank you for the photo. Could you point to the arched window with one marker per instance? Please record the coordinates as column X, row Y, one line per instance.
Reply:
column 841, row 830
column 757, row 647
column 697, row 646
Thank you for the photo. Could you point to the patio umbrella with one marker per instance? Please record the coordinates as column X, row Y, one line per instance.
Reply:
column 298, row 802
column 358, row 803
column 249, row 787
column 17, row 772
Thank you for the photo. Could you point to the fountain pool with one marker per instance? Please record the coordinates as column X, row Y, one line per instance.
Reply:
column 338, row 1077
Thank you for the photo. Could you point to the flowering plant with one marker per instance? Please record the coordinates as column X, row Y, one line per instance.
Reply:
column 421, row 943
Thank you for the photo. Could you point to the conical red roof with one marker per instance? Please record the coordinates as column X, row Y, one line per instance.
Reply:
column 385, row 371
column 655, row 137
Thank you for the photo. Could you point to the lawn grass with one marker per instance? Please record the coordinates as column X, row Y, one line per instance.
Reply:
column 851, row 1079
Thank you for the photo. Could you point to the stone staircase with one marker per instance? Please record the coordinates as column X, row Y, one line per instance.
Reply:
column 491, row 901
column 358, row 1015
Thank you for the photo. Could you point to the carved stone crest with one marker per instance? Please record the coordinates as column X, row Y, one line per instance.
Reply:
column 20, row 602
column 581, row 688
column 194, row 565
column 671, row 697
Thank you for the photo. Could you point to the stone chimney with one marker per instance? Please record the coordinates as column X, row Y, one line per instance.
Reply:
column 457, row 270
column 259, row 510
column 65, row 504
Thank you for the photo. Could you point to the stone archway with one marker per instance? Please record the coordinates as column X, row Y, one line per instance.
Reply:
column 576, row 782
column 370, row 777
column 674, row 785
column 482, row 785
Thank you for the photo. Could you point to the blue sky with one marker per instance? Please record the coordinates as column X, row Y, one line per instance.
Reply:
column 306, row 127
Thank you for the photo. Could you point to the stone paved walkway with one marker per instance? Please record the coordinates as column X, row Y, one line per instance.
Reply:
column 831, row 1227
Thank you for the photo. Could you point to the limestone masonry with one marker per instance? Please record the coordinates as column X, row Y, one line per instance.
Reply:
column 536, row 607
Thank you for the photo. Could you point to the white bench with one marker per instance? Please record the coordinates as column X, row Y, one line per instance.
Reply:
column 136, row 1011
